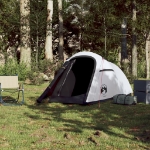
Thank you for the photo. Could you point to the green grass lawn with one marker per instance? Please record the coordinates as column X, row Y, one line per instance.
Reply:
column 56, row 126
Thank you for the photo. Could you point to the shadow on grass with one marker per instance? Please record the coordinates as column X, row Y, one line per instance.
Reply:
column 10, row 101
column 132, row 120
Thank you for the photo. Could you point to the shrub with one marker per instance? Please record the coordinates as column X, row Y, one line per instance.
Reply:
column 35, row 74
column 113, row 57
column 141, row 71
column 46, row 67
column 35, row 78
column 13, row 68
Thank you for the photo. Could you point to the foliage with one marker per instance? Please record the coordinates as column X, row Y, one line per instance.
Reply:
column 35, row 78
column 35, row 75
column 131, row 78
column 13, row 68
column 57, row 126
column 88, row 25
column 38, row 17
column 112, row 56
column 10, row 24
column 141, row 69
column 46, row 66
column 57, row 67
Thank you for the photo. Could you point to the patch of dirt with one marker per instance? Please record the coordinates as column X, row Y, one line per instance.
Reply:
column 67, row 136
column 144, row 136
column 93, row 140
column 82, row 143
column 135, row 129
column 99, row 133
column 39, row 133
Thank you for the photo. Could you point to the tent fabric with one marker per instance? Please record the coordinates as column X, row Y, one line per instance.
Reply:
column 84, row 78
column 49, row 90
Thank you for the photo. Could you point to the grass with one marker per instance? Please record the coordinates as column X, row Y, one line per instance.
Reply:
column 55, row 126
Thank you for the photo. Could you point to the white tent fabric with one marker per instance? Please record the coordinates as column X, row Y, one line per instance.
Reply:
column 108, row 79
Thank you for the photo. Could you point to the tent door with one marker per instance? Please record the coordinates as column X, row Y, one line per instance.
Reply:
column 65, row 84
column 49, row 90
column 68, row 71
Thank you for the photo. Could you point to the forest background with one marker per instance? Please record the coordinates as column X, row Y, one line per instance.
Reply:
column 36, row 36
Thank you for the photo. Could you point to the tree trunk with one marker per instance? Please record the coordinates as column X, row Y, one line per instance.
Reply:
column 124, row 56
column 147, row 49
column 25, row 47
column 105, row 37
column 48, row 41
column 124, row 40
column 134, row 47
column 37, row 45
column 61, row 40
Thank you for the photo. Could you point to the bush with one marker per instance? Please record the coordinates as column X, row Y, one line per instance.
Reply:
column 34, row 75
column 13, row 68
column 35, row 78
column 113, row 57
column 141, row 71
column 44, row 66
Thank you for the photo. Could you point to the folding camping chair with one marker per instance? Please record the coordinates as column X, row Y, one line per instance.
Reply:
column 11, row 85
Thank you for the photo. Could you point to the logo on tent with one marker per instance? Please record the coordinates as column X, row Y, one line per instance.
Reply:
column 104, row 90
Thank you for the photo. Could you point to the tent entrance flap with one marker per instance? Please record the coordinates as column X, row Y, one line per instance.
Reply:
column 76, row 78
column 49, row 90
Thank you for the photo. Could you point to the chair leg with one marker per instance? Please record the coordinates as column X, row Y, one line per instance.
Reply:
column 1, row 101
column 22, row 90
column 18, row 95
column 23, row 96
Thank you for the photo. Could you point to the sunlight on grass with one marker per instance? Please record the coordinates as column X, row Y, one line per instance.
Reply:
column 52, row 126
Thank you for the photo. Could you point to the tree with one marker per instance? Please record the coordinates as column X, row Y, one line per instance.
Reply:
column 124, row 56
column 134, row 46
column 25, row 47
column 9, row 28
column 72, row 26
column 144, row 31
column 147, row 49
column 101, row 30
column 48, row 41
column 61, row 40
column 87, row 25
column 38, row 15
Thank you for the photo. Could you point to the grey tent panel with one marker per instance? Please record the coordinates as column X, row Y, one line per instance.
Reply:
column 68, row 85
